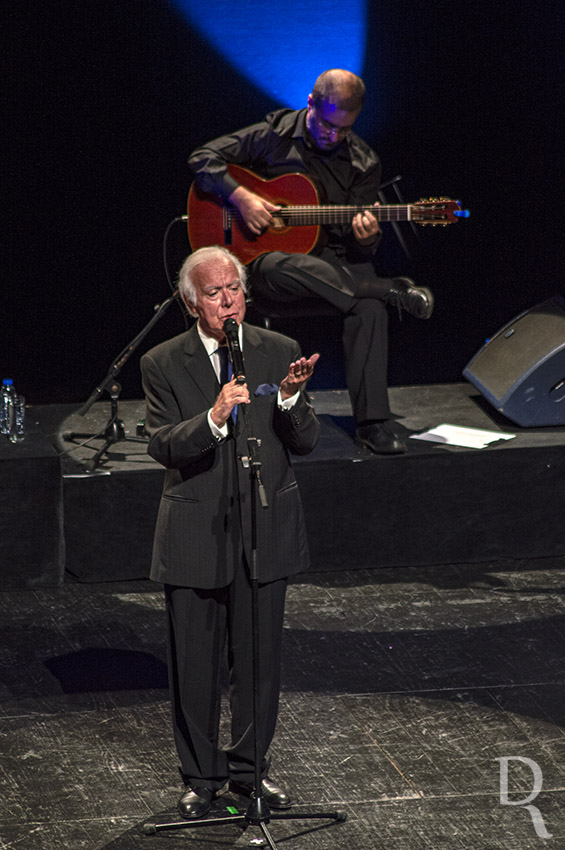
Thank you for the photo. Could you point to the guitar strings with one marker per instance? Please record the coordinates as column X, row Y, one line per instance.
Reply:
column 336, row 214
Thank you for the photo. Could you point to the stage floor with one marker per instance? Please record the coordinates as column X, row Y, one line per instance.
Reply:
column 401, row 690
column 416, row 409
column 437, row 504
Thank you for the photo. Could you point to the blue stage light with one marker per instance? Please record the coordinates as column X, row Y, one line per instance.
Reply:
column 281, row 47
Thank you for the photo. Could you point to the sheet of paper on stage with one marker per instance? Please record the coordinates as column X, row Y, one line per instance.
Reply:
column 457, row 435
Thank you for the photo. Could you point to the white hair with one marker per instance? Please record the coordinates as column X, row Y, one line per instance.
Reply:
column 203, row 255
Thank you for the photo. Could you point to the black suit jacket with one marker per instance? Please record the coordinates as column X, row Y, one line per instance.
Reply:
column 204, row 519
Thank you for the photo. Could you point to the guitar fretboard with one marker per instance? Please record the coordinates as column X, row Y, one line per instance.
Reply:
column 344, row 214
column 314, row 215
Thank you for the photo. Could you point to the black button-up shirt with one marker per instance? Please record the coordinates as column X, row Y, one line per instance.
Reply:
column 350, row 173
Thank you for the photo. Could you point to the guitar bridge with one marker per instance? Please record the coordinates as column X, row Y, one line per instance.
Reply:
column 226, row 225
column 279, row 223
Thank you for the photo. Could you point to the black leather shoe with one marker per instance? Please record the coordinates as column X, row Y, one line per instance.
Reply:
column 416, row 300
column 195, row 802
column 380, row 438
column 274, row 796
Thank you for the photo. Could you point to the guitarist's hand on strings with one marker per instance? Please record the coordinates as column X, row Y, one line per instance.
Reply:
column 255, row 211
column 365, row 227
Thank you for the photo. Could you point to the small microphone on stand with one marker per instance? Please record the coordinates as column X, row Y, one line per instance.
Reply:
column 231, row 331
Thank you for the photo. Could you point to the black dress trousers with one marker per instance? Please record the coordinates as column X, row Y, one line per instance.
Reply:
column 290, row 277
column 202, row 624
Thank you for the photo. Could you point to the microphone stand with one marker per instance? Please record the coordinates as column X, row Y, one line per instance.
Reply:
column 258, row 812
column 114, row 432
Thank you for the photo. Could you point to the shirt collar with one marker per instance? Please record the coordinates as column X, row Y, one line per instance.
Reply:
column 211, row 344
column 300, row 126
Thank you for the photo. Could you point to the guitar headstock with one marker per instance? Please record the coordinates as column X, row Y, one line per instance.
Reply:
column 437, row 211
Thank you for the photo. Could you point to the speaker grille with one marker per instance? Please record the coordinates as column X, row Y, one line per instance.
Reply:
column 520, row 346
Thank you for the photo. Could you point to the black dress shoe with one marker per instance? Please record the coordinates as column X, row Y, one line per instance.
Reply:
column 195, row 802
column 416, row 300
column 274, row 796
column 380, row 438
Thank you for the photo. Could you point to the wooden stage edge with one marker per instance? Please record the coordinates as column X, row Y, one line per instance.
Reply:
column 437, row 504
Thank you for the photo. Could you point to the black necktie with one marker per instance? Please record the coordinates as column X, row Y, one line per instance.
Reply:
column 224, row 365
column 226, row 372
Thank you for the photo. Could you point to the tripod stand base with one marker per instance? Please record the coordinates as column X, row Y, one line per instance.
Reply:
column 255, row 816
column 113, row 433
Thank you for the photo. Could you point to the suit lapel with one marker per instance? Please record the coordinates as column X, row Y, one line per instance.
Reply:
column 254, row 357
column 197, row 364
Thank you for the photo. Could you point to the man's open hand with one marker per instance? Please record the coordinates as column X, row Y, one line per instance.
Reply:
column 298, row 374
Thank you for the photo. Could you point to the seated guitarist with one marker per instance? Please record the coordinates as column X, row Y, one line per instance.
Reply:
column 319, row 141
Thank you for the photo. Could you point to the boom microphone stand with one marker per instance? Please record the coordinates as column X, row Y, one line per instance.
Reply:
column 258, row 812
column 114, row 431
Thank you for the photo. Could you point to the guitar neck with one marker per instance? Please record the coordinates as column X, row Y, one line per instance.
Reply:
column 313, row 215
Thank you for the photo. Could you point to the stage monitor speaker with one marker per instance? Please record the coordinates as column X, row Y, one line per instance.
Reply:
column 521, row 369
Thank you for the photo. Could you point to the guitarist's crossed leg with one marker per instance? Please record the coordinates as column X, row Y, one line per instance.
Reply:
column 361, row 296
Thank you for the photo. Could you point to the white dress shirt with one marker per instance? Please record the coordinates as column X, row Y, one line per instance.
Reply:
column 211, row 346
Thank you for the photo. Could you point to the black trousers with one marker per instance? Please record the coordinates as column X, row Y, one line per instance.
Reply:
column 202, row 624
column 290, row 277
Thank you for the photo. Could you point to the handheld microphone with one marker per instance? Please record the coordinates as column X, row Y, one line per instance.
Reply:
column 231, row 331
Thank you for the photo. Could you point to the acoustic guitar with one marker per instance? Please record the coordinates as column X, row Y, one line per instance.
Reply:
column 296, row 227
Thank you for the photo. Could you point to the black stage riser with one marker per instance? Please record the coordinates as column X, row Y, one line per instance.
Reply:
column 32, row 545
column 457, row 508
column 435, row 505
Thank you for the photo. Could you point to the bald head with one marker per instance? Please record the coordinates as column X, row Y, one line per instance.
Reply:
column 333, row 106
column 342, row 89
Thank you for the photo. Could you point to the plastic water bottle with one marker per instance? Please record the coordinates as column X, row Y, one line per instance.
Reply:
column 6, row 405
column 18, row 415
column 12, row 412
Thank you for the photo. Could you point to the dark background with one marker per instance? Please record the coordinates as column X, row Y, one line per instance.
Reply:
column 104, row 101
